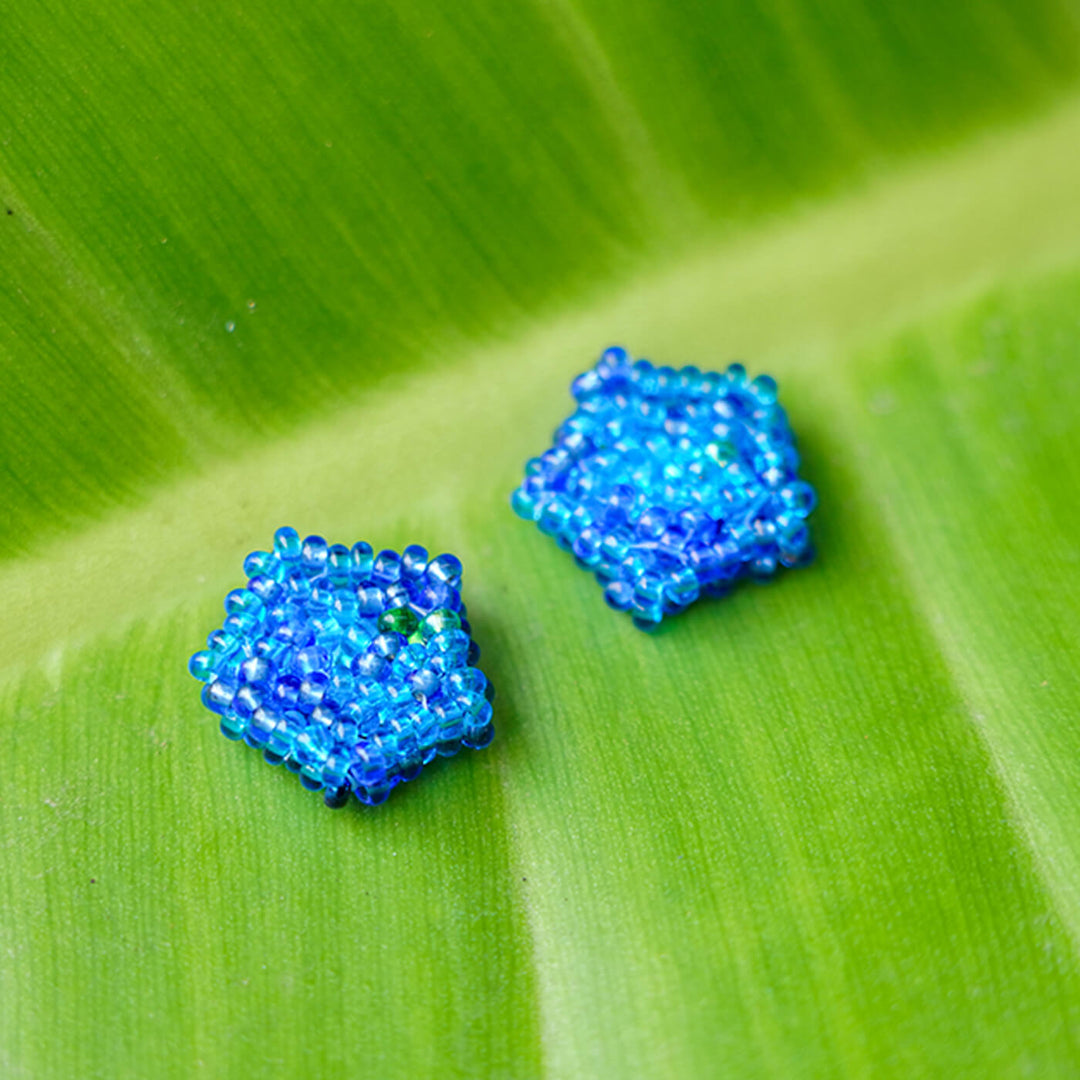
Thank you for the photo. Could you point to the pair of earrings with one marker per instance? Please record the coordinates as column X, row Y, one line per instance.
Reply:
column 355, row 669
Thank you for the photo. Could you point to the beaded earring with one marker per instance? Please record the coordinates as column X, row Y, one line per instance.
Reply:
column 668, row 485
column 351, row 668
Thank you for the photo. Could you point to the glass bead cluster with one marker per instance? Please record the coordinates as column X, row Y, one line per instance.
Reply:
column 351, row 668
column 669, row 485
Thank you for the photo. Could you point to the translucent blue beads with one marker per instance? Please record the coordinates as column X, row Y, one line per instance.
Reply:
column 352, row 668
column 669, row 485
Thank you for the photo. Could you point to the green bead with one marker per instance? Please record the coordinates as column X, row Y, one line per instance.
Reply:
column 721, row 451
column 398, row 620
column 439, row 620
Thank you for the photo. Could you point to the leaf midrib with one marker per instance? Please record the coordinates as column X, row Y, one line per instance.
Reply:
column 790, row 294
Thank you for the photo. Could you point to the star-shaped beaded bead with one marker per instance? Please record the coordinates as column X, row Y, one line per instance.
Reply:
column 351, row 668
column 668, row 485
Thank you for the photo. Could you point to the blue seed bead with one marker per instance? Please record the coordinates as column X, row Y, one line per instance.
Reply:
column 524, row 505
column 445, row 569
column 248, row 698
column 412, row 657
column 338, row 564
column 619, row 595
column 242, row 601
column 287, row 544
column 287, row 690
column 666, row 484
column 321, row 594
column 258, row 562
column 265, row 588
column 387, row 568
column 586, row 384
column 262, row 726
column 765, row 389
column 309, row 659
column 300, row 671
column 587, row 547
column 613, row 360
column 314, row 554
column 371, row 666
column 356, row 639
column 396, row 595
column 220, row 643
column 554, row 517
column 313, row 688
column 796, row 548
column 232, row 728
column 323, row 718
column 427, row 596
column 373, row 796
column 199, row 665
column 295, row 583
column 387, row 644
column 413, row 561
column 763, row 567
column 363, row 559
column 257, row 670
column 799, row 497
column 424, row 682
column 218, row 695
column 241, row 624
column 682, row 588
column 370, row 600
column 337, row 797
column 479, row 739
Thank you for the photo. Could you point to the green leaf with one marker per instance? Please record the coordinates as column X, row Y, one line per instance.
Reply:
column 336, row 268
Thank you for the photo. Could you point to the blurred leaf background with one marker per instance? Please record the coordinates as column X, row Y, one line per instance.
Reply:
column 335, row 266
